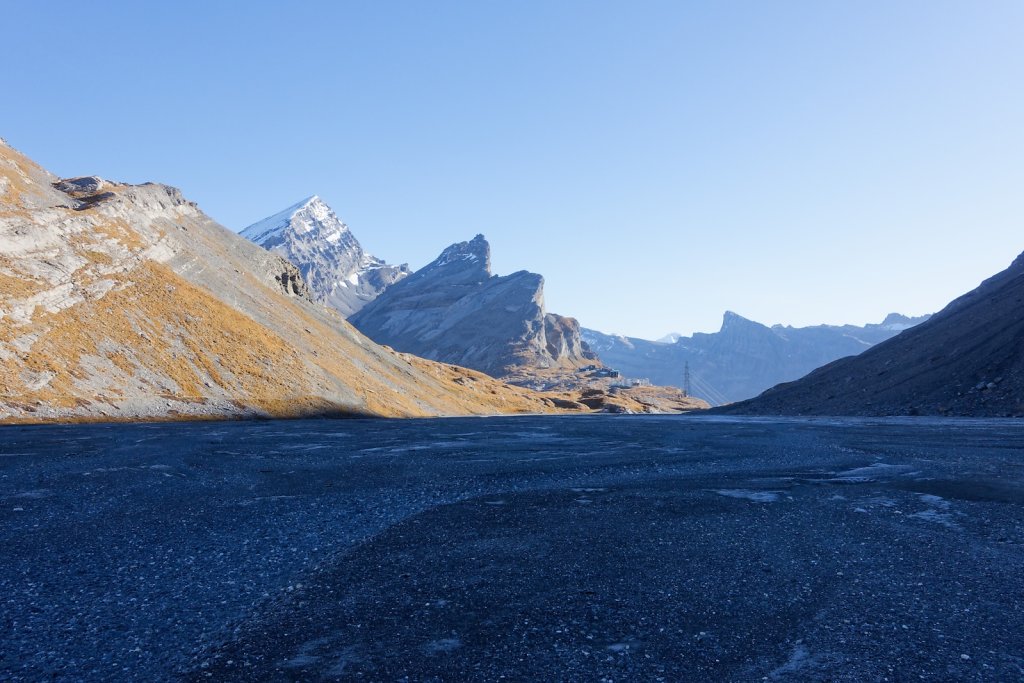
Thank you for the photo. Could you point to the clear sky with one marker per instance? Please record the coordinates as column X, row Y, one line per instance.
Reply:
column 657, row 162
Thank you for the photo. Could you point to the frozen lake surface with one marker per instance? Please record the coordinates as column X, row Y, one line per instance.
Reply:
column 539, row 548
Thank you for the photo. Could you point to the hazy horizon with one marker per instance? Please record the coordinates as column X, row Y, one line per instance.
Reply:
column 659, row 164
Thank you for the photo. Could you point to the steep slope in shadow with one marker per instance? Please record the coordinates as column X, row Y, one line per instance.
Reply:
column 968, row 359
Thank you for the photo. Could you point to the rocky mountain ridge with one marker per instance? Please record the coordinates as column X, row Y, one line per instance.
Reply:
column 455, row 310
column 339, row 272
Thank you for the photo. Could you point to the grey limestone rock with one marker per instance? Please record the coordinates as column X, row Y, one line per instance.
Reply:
column 456, row 311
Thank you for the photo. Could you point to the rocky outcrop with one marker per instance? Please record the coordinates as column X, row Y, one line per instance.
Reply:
column 639, row 400
column 968, row 360
column 126, row 301
column 744, row 357
column 291, row 281
column 563, row 338
column 455, row 310
column 339, row 272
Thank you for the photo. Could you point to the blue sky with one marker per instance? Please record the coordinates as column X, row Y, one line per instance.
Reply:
column 657, row 162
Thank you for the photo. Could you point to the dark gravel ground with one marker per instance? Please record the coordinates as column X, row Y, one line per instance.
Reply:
column 580, row 548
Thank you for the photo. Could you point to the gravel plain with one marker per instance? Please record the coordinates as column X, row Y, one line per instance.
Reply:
column 590, row 548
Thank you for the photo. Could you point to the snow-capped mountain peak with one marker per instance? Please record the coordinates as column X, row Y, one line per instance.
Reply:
column 336, row 267
column 311, row 215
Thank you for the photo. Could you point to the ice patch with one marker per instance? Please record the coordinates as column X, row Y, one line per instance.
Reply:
column 798, row 659
column 937, row 501
column 300, row 661
column 537, row 435
column 756, row 496
column 38, row 493
column 408, row 449
column 860, row 475
column 346, row 656
column 936, row 517
column 545, row 458
column 443, row 645
column 305, row 447
column 260, row 499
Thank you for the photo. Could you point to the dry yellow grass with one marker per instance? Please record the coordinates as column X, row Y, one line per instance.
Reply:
column 98, row 258
column 118, row 230
column 158, row 335
column 13, row 287
column 171, row 313
column 14, row 168
column 122, row 361
column 14, row 283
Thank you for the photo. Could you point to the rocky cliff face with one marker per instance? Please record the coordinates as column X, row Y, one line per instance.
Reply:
column 744, row 357
column 456, row 311
column 339, row 272
column 126, row 301
column 968, row 359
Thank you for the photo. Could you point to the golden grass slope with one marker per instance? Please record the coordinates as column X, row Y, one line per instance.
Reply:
column 130, row 303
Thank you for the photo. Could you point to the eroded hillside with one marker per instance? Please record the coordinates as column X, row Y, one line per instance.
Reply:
column 126, row 301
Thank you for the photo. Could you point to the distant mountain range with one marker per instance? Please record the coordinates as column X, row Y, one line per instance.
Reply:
column 743, row 358
column 455, row 310
column 968, row 359
column 339, row 272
